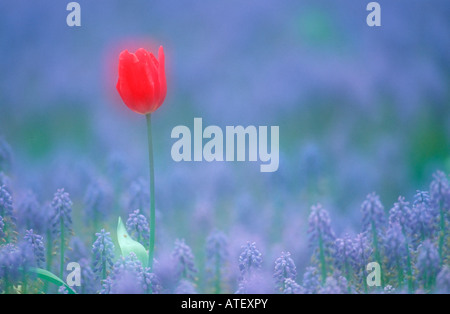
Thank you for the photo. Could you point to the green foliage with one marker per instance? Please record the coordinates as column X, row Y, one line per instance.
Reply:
column 128, row 245
column 50, row 277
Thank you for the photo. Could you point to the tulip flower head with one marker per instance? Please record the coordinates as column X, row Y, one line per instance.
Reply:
column 142, row 80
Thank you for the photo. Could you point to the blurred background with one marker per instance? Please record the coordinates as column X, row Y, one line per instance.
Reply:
column 360, row 109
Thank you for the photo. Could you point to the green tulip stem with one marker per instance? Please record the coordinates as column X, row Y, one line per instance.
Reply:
column 152, row 192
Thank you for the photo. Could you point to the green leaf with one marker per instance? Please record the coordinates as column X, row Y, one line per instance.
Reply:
column 128, row 245
column 50, row 277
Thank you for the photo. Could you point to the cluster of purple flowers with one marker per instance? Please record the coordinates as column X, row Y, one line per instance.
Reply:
column 409, row 242
column 217, row 259
column 129, row 276
column 285, row 270
column 103, row 253
column 137, row 226
column 185, row 264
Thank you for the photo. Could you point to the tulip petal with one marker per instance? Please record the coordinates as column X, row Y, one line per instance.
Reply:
column 162, row 76
column 155, row 80
column 149, row 88
column 133, row 85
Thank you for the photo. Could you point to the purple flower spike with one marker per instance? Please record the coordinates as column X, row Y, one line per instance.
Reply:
column 311, row 281
column 320, row 226
column 30, row 214
column 344, row 254
column 184, row 258
column 217, row 256
column 373, row 212
column 14, row 260
column 2, row 226
column 395, row 248
column 443, row 280
column 185, row 287
column 250, row 259
column 428, row 263
column 423, row 217
column 6, row 208
column 62, row 212
column 291, row 287
column 335, row 285
column 284, row 269
column 6, row 212
column 103, row 251
column 137, row 226
column 36, row 243
column 129, row 277
column 440, row 190
column 401, row 214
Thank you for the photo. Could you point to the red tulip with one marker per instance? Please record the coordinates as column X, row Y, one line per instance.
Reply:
column 142, row 80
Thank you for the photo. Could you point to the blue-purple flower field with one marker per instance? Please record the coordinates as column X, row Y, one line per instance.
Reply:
column 363, row 178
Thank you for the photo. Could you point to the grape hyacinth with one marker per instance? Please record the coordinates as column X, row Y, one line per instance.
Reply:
column 250, row 260
column 2, row 226
column 125, row 283
column 6, row 212
column 291, row 287
column 423, row 217
column 422, row 197
column 15, row 260
column 5, row 202
column 311, row 281
column 373, row 212
column 216, row 258
column 321, row 235
column 9, row 266
column 440, row 198
column 373, row 222
column 362, row 253
column 37, row 245
column 185, row 287
column 440, row 190
column 255, row 284
column 335, row 285
column 395, row 248
column 49, row 237
column 129, row 277
column 344, row 255
column 61, row 222
column 401, row 214
column 6, row 181
column 443, row 280
column 151, row 282
column 182, row 254
column 411, row 246
column 124, row 267
column 29, row 213
column 428, row 264
column 62, row 212
column 103, row 252
column 137, row 227
column 388, row 290
column 284, row 269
